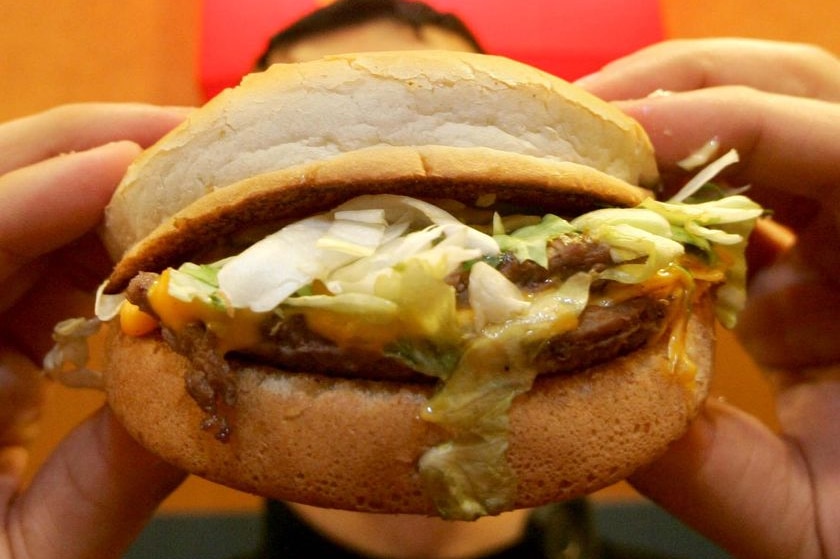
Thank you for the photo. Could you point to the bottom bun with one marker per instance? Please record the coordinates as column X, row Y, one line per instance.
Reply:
column 354, row 445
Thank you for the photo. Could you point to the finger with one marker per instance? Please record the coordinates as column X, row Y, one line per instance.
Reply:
column 735, row 481
column 787, row 68
column 788, row 146
column 809, row 406
column 80, row 127
column 92, row 497
column 62, row 289
column 21, row 396
column 794, row 293
column 13, row 460
column 48, row 204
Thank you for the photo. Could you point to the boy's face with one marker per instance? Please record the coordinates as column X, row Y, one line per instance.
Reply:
column 376, row 35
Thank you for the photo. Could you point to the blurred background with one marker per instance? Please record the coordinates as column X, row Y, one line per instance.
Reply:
column 181, row 53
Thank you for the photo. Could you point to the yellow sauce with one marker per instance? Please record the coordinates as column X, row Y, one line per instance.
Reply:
column 234, row 328
column 353, row 331
column 135, row 322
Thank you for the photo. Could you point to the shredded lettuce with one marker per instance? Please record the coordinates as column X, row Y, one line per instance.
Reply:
column 550, row 313
column 67, row 361
column 641, row 243
column 274, row 268
column 529, row 242
column 348, row 248
column 371, row 306
column 427, row 304
column 355, row 232
column 370, row 241
column 731, row 209
column 197, row 281
column 469, row 476
column 720, row 229
column 426, row 357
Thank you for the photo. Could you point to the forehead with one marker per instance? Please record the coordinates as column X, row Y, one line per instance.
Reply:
column 375, row 35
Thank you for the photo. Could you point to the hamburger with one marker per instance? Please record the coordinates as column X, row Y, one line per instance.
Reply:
column 409, row 282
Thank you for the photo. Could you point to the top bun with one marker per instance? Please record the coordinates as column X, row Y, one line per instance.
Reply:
column 297, row 114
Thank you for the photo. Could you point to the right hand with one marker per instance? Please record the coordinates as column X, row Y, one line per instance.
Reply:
column 757, row 492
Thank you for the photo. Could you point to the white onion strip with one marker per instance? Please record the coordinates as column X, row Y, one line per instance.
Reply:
column 708, row 173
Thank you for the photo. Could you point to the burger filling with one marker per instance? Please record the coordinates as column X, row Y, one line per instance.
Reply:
column 476, row 301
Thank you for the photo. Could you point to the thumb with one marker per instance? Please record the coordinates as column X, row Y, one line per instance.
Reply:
column 734, row 480
column 92, row 497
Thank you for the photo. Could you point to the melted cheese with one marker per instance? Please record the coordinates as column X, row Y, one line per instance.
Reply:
column 679, row 285
column 353, row 331
column 235, row 329
column 135, row 322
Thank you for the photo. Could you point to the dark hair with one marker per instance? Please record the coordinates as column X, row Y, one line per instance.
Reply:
column 344, row 13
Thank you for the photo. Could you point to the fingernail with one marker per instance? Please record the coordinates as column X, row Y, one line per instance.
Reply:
column 588, row 79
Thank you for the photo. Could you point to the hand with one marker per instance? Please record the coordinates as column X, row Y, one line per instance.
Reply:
column 759, row 493
column 57, row 173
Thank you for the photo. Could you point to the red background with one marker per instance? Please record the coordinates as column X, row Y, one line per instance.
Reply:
column 569, row 38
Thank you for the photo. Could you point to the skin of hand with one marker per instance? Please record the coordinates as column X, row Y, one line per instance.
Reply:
column 759, row 493
column 58, row 171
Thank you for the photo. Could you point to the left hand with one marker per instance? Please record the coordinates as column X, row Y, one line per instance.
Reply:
column 58, row 171
column 759, row 493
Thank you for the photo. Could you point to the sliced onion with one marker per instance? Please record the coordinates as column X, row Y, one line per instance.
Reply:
column 493, row 298
column 708, row 173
